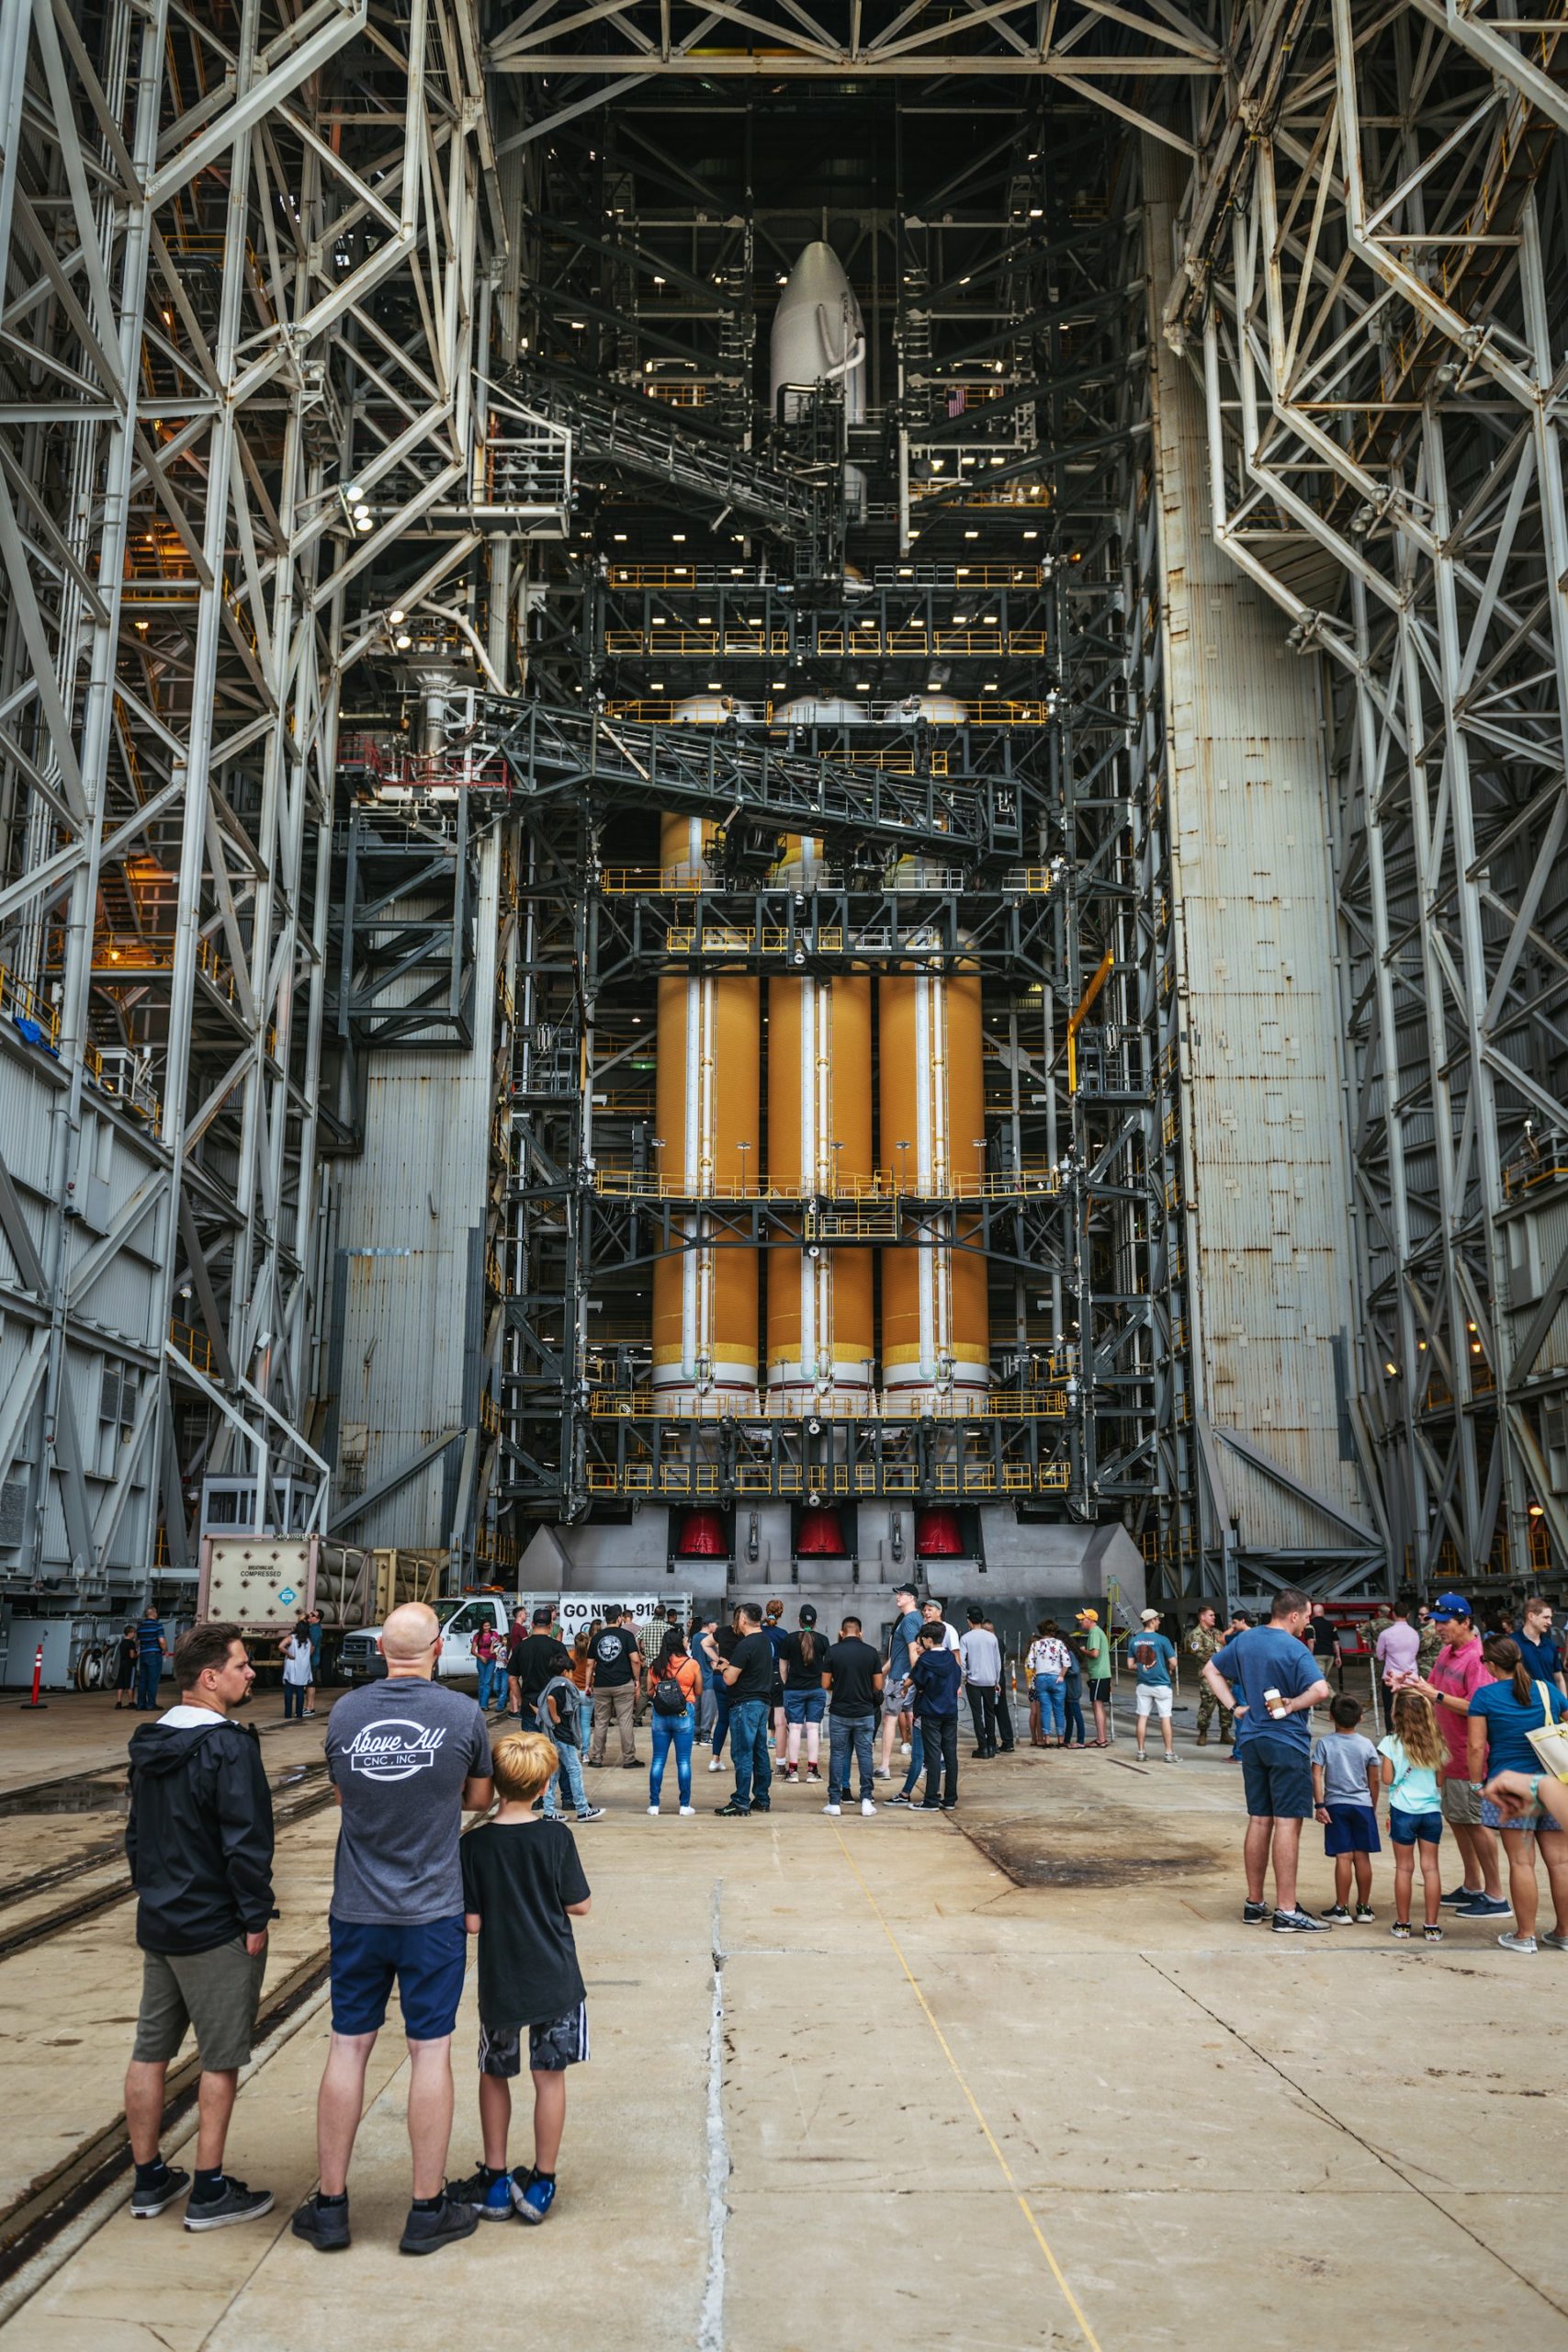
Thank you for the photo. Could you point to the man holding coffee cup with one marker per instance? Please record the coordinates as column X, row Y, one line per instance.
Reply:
column 1278, row 1685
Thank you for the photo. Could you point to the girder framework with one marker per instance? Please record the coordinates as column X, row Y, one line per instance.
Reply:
column 1374, row 282
column 236, row 374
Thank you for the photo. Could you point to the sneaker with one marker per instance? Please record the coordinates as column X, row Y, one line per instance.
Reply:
column 1518, row 1943
column 1365, row 1914
column 531, row 2197
column 489, row 2193
column 903, row 1747
column 324, row 2226
column 1400, row 1931
column 812, row 1773
column 591, row 1812
column 146, row 2202
column 654, row 1810
column 1299, row 1923
column 884, row 1773
column 234, row 2202
column 688, row 1811
column 950, row 1804
column 901, row 1800
column 1553, row 1943
column 631, row 1764
column 1338, row 1915
column 834, row 1809
column 714, row 1764
column 443, row 2225
column 1431, row 1935
column 1463, row 1894
column 1173, row 1758
column 733, row 1812
column 790, row 1772
column 1255, row 1915
column 868, row 1808
column 1485, row 1906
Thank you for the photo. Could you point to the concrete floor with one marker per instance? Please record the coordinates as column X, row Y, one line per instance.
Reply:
column 914, row 2099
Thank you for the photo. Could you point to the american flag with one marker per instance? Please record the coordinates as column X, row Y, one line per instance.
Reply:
column 957, row 401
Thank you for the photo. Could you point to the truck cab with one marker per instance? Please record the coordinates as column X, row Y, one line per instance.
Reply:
column 359, row 1659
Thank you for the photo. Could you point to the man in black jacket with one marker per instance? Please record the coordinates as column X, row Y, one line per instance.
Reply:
column 199, row 1844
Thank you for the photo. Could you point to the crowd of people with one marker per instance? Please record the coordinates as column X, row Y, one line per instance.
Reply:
column 1467, row 1720
column 1469, row 1748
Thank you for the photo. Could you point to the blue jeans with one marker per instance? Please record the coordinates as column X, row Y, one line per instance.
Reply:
column 1048, row 1690
column 569, row 1775
column 585, row 1720
column 294, row 1699
column 493, row 1682
column 916, row 1760
column 677, row 1731
column 1072, row 1692
column 845, row 1732
column 148, row 1674
column 721, row 1716
column 748, row 1751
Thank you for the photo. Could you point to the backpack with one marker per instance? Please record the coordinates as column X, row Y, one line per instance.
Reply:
column 669, row 1699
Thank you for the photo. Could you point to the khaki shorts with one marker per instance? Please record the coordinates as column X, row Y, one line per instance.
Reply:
column 1462, row 1803
column 216, row 1993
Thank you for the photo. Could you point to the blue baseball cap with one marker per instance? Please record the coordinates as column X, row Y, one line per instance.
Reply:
column 1448, row 1606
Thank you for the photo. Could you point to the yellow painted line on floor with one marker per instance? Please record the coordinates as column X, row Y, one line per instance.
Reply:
column 1041, row 2240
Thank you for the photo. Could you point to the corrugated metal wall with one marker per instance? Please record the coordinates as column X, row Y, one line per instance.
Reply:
column 1268, row 1167
column 410, row 1218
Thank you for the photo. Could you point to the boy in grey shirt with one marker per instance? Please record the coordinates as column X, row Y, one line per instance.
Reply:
column 1345, row 1780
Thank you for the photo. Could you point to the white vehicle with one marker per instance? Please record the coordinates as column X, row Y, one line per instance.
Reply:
column 359, row 1660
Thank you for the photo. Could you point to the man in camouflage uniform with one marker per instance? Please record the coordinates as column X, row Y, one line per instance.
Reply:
column 1200, row 1644
column 1430, row 1636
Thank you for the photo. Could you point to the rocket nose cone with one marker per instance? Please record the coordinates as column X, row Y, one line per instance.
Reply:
column 817, row 277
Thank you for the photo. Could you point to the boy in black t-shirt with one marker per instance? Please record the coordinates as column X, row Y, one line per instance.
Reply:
column 522, row 1885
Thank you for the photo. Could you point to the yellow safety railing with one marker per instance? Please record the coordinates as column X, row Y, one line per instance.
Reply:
column 617, row 1181
column 890, row 1405
column 194, row 1345
column 22, row 1002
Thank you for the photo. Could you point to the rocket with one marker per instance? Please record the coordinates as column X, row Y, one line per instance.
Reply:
column 818, row 334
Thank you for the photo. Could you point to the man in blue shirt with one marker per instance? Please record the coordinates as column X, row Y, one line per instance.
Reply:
column 1538, row 1645
column 1271, row 1679
column 938, row 1677
column 151, row 1648
column 1153, row 1694
column 895, row 1667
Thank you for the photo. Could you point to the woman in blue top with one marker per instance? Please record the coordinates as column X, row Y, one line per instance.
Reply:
column 1503, row 1714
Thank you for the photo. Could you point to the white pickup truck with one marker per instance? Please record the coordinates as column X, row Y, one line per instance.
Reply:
column 359, row 1660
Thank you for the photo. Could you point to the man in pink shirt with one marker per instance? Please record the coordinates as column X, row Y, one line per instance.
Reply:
column 1457, row 1674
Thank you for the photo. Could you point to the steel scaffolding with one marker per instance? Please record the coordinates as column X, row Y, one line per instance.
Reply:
column 1372, row 279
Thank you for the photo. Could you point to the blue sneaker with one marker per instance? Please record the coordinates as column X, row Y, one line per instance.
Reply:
column 531, row 2195
column 489, row 2192
column 1484, row 1907
column 1459, row 1894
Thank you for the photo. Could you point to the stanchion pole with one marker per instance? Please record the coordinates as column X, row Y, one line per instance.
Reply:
column 38, row 1680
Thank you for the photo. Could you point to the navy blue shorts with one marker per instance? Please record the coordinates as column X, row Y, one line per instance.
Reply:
column 1404, row 1828
column 805, row 1706
column 426, row 1962
column 1351, row 1829
column 1277, row 1775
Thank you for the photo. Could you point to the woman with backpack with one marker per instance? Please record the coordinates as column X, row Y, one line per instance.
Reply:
column 675, row 1685
column 801, row 1662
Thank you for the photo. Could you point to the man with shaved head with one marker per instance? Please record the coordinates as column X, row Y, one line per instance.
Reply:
column 406, row 1757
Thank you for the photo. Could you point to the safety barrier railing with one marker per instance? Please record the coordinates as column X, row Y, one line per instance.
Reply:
column 791, row 1479
column 616, row 1183
column 888, row 1405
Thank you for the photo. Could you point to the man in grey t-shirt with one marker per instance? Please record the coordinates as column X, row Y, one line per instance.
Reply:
column 407, row 1759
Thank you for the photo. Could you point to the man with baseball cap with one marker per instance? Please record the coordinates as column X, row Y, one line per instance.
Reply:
column 1457, row 1674
column 1094, row 1649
